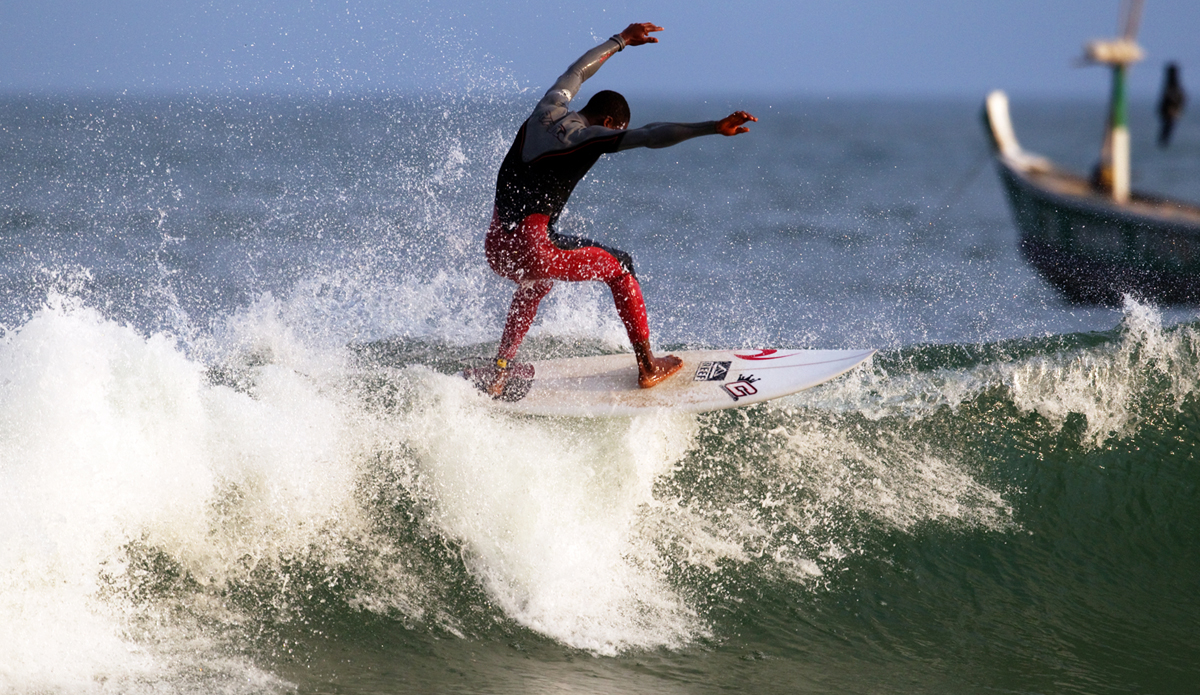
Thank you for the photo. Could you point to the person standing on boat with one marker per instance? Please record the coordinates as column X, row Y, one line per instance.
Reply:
column 553, row 150
column 1170, row 104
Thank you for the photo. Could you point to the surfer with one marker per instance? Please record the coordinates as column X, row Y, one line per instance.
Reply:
column 553, row 150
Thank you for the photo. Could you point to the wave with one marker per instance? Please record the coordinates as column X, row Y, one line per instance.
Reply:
column 184, row 510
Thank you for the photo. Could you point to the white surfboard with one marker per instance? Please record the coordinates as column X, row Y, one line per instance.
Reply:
column 709, row 380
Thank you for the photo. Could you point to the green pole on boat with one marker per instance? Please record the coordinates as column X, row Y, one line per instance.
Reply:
column 1119, row 54
column 1120, row 110
column 1114, row 159
column 1119, row 136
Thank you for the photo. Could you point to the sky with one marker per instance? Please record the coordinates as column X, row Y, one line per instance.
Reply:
column 810, row 48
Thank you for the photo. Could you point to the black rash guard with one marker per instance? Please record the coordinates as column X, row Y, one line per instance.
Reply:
column 555, row 147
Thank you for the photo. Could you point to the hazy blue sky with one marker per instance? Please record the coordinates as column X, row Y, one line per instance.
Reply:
column 813, row 48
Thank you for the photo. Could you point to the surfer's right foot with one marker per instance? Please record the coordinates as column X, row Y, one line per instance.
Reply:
column 653, row 370
column 663, row 368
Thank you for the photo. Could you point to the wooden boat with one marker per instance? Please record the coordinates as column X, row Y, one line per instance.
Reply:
column 1093, row 238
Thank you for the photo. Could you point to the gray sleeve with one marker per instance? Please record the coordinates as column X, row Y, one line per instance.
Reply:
column 567, row 85
column 656, row 135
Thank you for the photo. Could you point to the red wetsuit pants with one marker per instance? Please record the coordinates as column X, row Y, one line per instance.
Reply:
column 528, row 257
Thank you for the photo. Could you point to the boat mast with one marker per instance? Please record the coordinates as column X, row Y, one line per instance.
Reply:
column 1119, row 54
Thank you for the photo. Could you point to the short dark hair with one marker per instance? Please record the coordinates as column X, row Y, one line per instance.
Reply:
column 608, row 103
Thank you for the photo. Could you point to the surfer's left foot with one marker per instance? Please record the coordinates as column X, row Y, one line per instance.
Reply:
column 653, row 370
column 499, row 382
column 508, row 383
column 496, row 390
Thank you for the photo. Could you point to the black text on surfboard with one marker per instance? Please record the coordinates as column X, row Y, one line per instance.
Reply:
column 712, row 371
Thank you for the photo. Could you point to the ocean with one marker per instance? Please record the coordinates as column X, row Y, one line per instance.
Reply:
column 235, row 456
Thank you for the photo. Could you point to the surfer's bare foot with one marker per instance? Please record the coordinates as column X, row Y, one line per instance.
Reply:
column 652, row 370
column 660, row 369
column 498, row 383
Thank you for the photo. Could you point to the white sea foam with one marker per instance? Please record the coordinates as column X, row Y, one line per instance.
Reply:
column 548, row 512
column 109, row 437
column 895, row 480
column 810, row 491
column 1106, row 385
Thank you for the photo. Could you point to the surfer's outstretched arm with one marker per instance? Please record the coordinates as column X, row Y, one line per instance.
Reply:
column 655, row 135
column 567, row 85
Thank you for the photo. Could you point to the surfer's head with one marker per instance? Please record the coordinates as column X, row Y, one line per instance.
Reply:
column 607, row 108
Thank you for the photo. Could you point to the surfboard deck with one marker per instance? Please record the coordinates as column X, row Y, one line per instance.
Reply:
column 606, row 385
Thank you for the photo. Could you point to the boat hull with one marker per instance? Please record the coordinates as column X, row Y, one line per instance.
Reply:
column 1095, row 252
column 1091, row 248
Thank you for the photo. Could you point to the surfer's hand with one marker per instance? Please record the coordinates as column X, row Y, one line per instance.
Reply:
column 638, row 34
column 732, row 124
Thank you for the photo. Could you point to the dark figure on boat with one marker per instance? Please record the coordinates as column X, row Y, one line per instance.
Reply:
column 1170, row 104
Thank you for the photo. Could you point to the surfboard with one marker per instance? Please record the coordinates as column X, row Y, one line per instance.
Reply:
column 606, row 385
